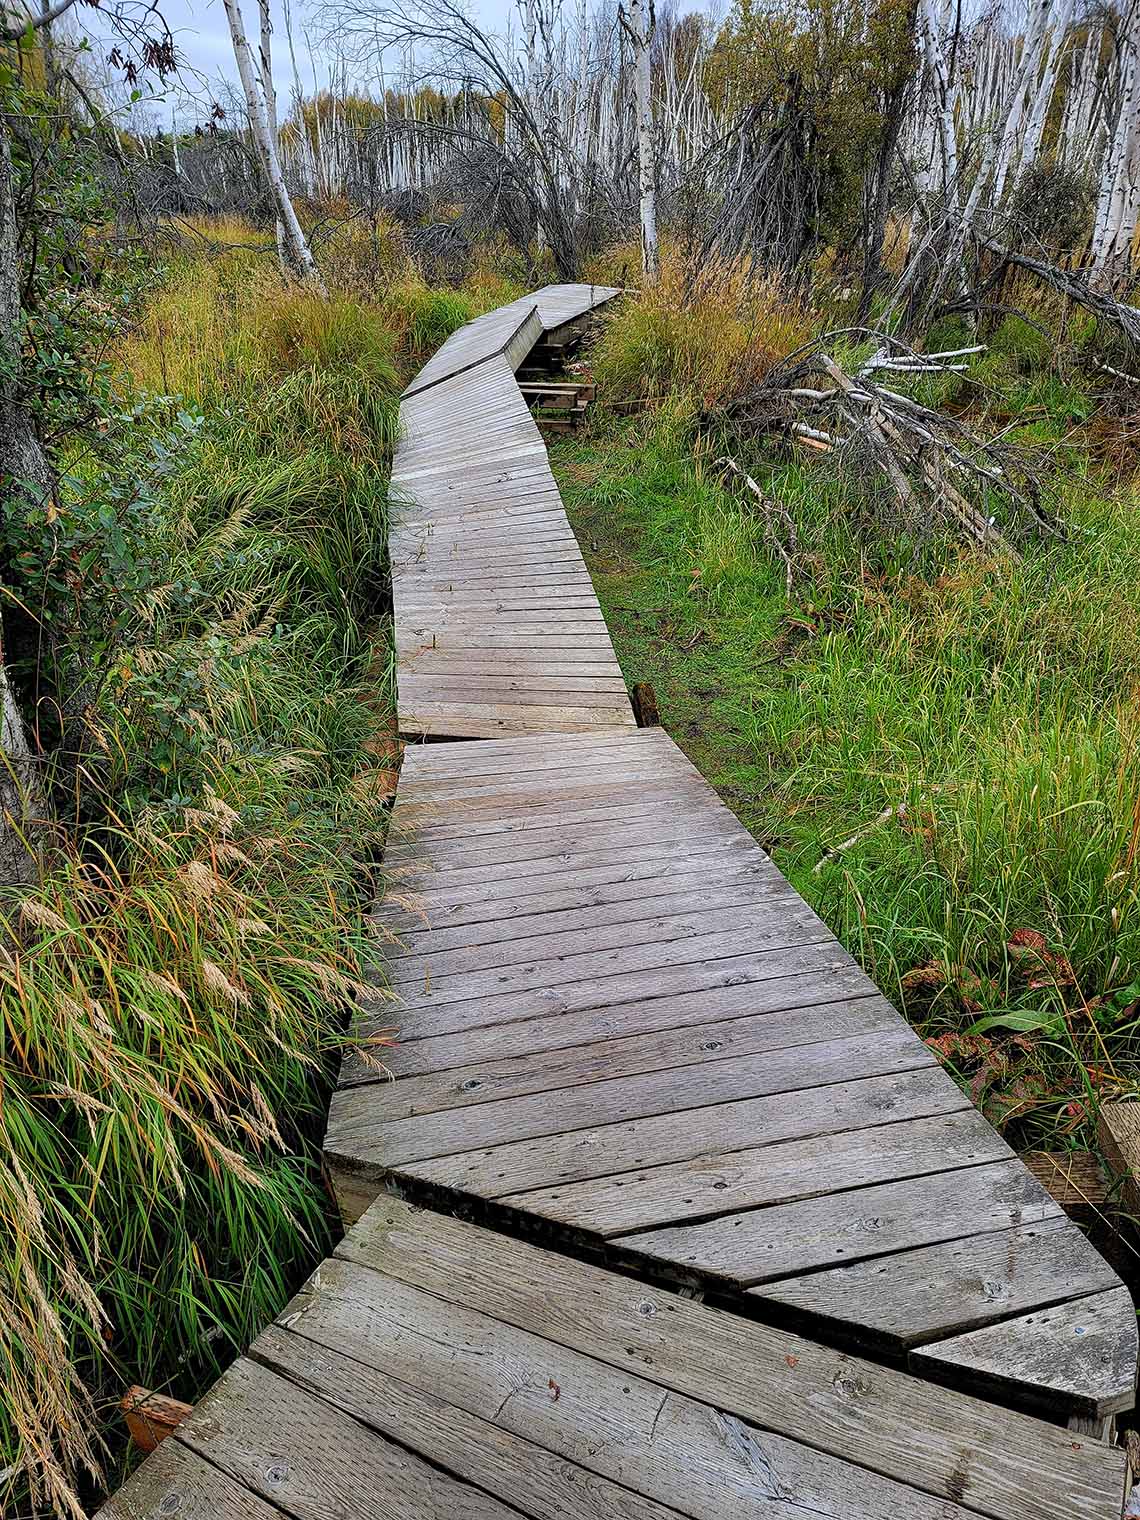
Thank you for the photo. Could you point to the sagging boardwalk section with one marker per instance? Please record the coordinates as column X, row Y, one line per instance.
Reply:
column 631, row 1057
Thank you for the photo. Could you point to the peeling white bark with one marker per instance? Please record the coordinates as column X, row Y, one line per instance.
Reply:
column 298, row 257
column 1118, row 203
column 640, row 25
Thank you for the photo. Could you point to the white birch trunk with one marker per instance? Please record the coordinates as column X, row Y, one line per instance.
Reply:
column 265, row 67
column 1118, row 202
column 1033, row 90
column 640, row 27
column 945, row 92
column 299, row 259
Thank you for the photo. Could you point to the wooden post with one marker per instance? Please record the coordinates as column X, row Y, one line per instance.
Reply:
column 1119, row 1131
column 151, row 1416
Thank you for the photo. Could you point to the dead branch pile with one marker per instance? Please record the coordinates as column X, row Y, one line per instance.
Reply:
column 924, row 470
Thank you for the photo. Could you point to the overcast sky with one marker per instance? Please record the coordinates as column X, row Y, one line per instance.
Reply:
column 203, row 40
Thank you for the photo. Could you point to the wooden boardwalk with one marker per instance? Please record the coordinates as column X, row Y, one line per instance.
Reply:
column 498, row 629
column 618, row 1017
column 644, row 1074
column 435, row 1369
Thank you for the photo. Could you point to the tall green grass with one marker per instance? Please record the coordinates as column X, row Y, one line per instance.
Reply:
column 938, row 745
column 172, row 993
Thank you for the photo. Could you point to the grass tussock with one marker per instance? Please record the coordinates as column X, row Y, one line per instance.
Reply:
column 938, row 744
column 172, row 991
column 223, row 321
column 697, row 340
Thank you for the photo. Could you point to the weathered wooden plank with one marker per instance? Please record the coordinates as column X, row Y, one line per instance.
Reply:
column 433, row 940
column 730, row 1181
column 544, row 974
column 442, row 717
column 651, row 825
column 453, row 914
column 661, row 1050
column 781, row 918
column 939, row 1290
column 502, row 762
column 569, row 640
column 522, row 1406
column 315, row 1463
column 431, row 548
column 671, row 1018
column 544, row 564
column 354, row 1126
column 596, row 691
column 1082, row 1352
column 443, row 575
column 416, row 598
column 174, row 1481
column 593, row 773
column 554, row 584
column 472, row 1446
column 625, row 1146
column 765, row 1244
column 1118, row 1128
column 541, row 801
column 605, row 696
column 592, row 992
column 508, row 664
column 513, row 540
column 1000, row 1463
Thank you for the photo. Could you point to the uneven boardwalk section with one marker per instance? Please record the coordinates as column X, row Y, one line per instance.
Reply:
column 434, row 1369
column 623, row 1032
column 498, row 629
column 618, row 1017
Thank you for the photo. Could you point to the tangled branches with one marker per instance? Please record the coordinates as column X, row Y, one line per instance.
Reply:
column 930, row 469
column 755, row 193
column 1078, row 288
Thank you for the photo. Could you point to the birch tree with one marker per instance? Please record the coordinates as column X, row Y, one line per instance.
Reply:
column 265, row 65
column 298, row 259
column 638, row 19
column 1118, row 201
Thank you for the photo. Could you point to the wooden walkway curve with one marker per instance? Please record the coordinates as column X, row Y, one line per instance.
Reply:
column 642, row 1073
column 498, row 629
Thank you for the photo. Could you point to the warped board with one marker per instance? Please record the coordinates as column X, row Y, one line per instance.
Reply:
column 433, row 1370
column 616, row 1016
column 497, row 626
column 511, row 330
